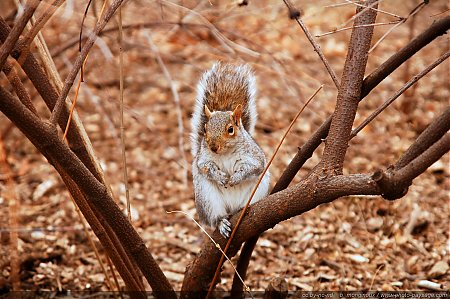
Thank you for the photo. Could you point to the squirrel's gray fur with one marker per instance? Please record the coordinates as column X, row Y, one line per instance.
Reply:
column 227, row 161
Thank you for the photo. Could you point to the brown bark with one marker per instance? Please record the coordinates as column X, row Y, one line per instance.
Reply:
column 44, row 137
column 305, row 152
column 17, row 30
column 349, row 93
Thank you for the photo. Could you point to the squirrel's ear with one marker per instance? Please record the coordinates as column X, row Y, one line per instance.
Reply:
column 207, row 112
column 237, row 113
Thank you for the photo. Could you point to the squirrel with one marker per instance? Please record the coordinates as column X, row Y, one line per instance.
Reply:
column 227, row 161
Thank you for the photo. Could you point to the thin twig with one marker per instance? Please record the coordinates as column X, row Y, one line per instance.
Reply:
column 375, row 275
column 35, row 29
column 399, row 92
column 217, row 245
column 122, row 126
column 376, row 9
column 113, row 273
column 56, row 113
column 351, row 27
column 216, row 275
column 294, row 13
column 412, row 13
column 176, row 99
column 359, row 13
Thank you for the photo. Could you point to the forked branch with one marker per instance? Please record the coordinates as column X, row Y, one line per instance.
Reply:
column 43, row 137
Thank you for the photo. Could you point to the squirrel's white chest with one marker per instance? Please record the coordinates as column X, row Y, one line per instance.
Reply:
column 227, row 163
column 235, row 198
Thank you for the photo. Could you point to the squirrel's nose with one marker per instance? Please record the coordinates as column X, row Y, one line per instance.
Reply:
column 214, row 148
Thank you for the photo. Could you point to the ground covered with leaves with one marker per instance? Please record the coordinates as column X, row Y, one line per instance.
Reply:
column 353, row 243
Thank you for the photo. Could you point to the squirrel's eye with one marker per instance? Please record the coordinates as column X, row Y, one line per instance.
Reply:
column 230, row 130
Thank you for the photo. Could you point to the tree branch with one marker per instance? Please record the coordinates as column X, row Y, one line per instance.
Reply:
column 349, row 93
column 435, row 30
column 56, row 113
column 399, row 92
column 295, row 14
column 49, row 94
column 395, row 183
column 12, row 38
column 42, row 135
column 429, row 136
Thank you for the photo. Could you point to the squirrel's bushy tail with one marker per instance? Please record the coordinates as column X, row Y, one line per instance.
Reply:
column 222, row 88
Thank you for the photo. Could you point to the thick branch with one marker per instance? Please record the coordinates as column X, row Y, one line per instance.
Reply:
column 283, row 205
column 42, row 135
column 437, row 29
column 49, row 94
column 395, row 183
column 425, row 160
column 14, row 35
column 349, row 93
column 429, row 136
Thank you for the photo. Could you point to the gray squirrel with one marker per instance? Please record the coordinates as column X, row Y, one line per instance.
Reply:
column 227, row 161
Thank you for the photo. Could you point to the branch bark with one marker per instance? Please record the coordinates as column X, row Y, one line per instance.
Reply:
column 429, row 136
column 43, row 136
column 17, row 30
column 395, row 183
column 56, row 113
column 349, row 93
column 437, row 29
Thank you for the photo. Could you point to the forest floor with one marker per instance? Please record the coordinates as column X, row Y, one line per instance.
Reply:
column 353, row 243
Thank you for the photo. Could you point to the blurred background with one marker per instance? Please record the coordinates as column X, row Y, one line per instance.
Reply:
column 356, row 243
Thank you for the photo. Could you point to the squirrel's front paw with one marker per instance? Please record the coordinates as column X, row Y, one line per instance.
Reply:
column 234, row 180
column 223, row 178
column 224, row 228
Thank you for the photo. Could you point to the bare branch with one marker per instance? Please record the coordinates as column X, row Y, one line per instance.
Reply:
column 24, row 44
column 50, row 95
column 403, row 20
column 17, row 30
column 349, row 94
column 43, row 136
column 399, row 92
column 17, row 84
column 429, row 136
column 351, row 27
column 435, row 30
column 295, row 14
column 394, row 184
column 79, row 62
